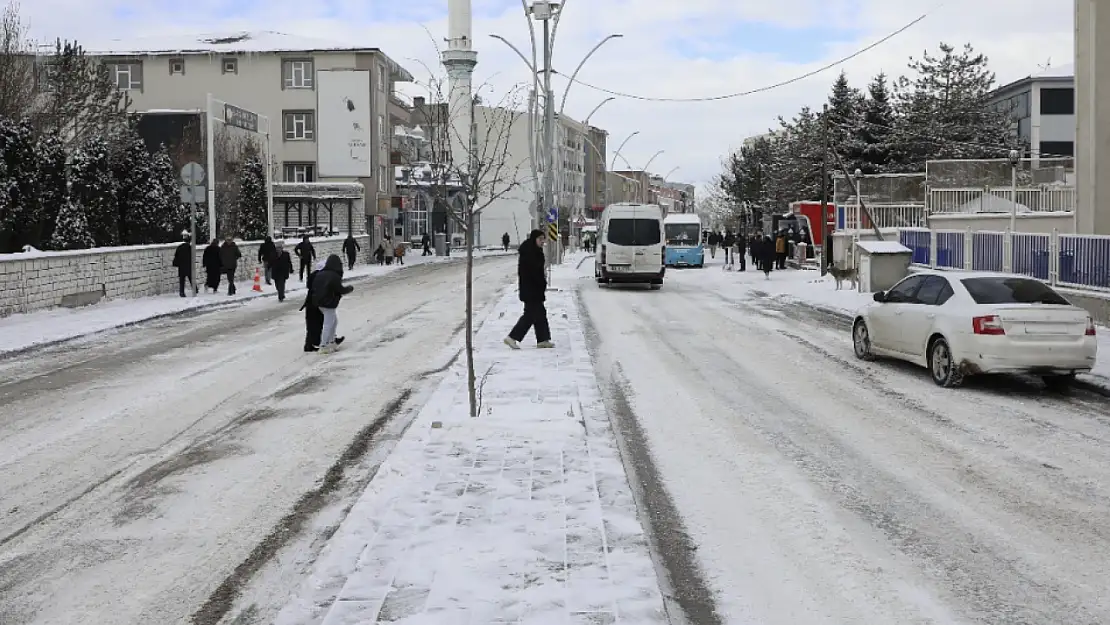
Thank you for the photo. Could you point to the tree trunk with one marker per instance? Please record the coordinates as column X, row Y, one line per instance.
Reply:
column 472, row 391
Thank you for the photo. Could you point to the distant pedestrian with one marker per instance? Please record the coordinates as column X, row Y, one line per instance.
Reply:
column 379, row 254
column 183, row 260
column 726, row 243
column 351, row 248
column 780, row 250
column 306, row 253
column 388, row 250
column 714, row 241
column 738, row 253
column 313, row 318
column 505, row 239
column 399, row 253
column 533, row 288
column 767, row 256
column 213, row 266
column 229, row 258
column 282, row 269
column 267, row 255
column 426, row 243
column 327, row 290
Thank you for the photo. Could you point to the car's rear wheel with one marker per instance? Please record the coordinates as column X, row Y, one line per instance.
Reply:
column 861, row 341
column 1059, row 382
column 942, row 366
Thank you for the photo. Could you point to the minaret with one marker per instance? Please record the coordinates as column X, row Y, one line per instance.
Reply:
column 459, row 59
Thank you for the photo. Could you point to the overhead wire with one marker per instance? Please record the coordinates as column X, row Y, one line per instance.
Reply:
column 731, row 96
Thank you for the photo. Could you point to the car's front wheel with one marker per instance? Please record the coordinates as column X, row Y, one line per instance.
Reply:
column 943, row 366
column 861, row 341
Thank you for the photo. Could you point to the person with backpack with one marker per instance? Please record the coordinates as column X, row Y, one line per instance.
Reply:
column 326, row 292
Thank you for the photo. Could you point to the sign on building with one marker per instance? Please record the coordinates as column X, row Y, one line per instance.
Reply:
column 343, row 124
column 240, row 118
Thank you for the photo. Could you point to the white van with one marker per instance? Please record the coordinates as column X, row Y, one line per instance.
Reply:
column 630, row 245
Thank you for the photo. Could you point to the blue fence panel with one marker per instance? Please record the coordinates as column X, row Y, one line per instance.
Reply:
column 1031, row 255
column 986, row 251
column 919, row 242
column 1084, row 261
column 950, row 250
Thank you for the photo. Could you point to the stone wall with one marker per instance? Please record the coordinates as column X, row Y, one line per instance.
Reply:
column 40, row 280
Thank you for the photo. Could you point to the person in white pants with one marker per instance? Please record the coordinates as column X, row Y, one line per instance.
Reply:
column 327, row 290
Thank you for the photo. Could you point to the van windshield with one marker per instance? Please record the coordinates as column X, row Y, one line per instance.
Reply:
column 634, row 232
column 682, row 234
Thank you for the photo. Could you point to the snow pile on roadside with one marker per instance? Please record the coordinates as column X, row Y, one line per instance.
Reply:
column 21, row 331
column 523, row 514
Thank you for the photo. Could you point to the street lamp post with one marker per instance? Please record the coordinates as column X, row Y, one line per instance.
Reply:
column 621, row 147
column 650, row 161
column 574, row 74
column 1015, row 160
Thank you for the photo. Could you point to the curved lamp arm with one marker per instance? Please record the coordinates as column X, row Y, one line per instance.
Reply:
column 650, row 160
column 574, row 75
column 623, row 143
column 586, row 122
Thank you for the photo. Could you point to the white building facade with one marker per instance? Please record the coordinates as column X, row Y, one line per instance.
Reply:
column 331, row 106
column 1042, row 107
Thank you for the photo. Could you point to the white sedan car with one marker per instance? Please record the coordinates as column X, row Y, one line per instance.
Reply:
column 966, row 323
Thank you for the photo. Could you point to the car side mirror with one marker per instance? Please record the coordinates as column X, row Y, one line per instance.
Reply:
column 880, row 297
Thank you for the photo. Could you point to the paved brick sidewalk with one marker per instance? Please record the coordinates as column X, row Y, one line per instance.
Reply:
column 523, row 515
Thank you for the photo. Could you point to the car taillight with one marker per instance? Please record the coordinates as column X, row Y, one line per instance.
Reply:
column 1091, row 327
column 990, row 325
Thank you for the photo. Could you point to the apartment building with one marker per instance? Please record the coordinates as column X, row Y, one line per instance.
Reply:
column 514, row 211
column 632, row 186
column 596, row 169
column 1042, row 107
column 331, row 106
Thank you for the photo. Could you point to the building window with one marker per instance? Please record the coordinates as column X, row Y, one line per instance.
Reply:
column 127, row 76
column 299, row 125
column 1058, row 101
column 383, row 181
column 300, row 172
column 229, row 66
column 1050, row 149
column 177, row 66
column 297, row 74
column 383, row 82
column 381, row 131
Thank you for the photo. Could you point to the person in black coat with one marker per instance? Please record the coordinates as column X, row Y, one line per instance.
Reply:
column 229, row 259
column 213, row 266
column 351, row 248
column 282, row 268
column 767, row 255
column 727, row 242
column 533, row 287
column 313, row 318
column 307, row 253
column 326, row 292
column 267, row 255
column 183, row 260
column 426, row 243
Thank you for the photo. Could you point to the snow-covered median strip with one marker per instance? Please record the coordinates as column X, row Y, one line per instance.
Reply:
column 523, row 514
column 22, row 331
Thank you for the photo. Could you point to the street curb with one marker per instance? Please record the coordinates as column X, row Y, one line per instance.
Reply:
column 210, row 307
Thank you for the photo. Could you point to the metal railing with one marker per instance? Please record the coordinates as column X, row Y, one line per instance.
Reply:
column 1046, row 198
column 1080, row 261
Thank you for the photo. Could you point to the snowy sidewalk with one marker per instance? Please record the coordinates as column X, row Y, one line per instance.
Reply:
column 21, row 331
column 523, row 515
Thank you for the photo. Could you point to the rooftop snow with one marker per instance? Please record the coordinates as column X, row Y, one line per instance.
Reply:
column 1064, row 71
column 883, row 247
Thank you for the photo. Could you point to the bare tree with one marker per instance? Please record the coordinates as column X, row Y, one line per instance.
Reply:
column 17, row 65
column 76, row 96
column 478, row 163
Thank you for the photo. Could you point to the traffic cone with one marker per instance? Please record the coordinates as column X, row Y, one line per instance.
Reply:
column 257, row 280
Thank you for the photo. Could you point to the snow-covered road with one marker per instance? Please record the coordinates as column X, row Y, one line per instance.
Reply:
column 817, row 489
column 146, row 474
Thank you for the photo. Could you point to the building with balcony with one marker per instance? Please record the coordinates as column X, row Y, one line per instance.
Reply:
column 1042, row 107
column 331, row 106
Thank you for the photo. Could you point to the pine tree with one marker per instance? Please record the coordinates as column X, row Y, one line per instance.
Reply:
column 874, row 138
column 845, row 110
column 251, row 211
column 52, row 193
column 139, row 199
column 71, row 230
column 93, row 189
column 19, row 219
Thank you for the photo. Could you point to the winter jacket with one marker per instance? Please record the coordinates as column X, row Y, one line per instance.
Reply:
column 305, row 251
column 183, row 259
column 399, row 251
column 308, row 289
column 780, row 244
column 328, row 288
column 729, row 240
column 211, row 259
column 351, row 246
column 530, row 270
column 267, row 252
column 230, row 255
column 425, row 240
column 387, row 247
column 282, row 267
column 766, row 252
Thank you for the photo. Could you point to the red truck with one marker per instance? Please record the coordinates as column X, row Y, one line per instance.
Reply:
column 812, row 212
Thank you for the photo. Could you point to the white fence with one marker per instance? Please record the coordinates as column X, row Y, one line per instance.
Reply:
column 1046, row 198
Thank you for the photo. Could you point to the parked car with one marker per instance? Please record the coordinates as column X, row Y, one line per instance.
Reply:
column 967, row 323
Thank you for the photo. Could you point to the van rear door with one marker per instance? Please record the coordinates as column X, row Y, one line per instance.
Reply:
column 637, row 241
